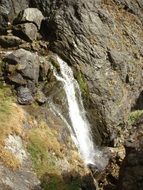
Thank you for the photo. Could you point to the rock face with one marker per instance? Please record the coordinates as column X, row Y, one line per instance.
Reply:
column 24, row 179
column 93, row 35
column 32, row 15
column 3, row 21
column 13, row 7
column 22, row 70
column 24, row 96
column 10, row 41
column 26, row 31
column 28, row 23
column 42, row 5
column 131, row 172
column 24, row 63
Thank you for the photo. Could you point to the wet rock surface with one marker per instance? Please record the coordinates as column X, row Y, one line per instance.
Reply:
column 131, row 172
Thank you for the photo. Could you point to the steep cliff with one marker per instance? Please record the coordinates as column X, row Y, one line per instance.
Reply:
column 105, row 39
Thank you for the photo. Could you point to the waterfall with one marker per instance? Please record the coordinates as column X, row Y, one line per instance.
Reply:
column 80, row 128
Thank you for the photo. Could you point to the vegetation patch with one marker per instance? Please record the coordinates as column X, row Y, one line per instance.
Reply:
column 11, row 119
column 11, row 116
column 56, row 182
column 82, row 83
column 44, row 150
column 9, row 159
column 134, row 116
column 48, row 155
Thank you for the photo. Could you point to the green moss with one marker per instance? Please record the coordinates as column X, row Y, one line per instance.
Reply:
column 53, row 184
column 82, row 82
column 134, row 116
column 6, row 99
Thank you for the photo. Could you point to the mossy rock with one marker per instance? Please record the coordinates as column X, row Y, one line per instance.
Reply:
column 79, row 76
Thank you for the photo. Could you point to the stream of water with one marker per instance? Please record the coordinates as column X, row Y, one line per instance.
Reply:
column 80, row 126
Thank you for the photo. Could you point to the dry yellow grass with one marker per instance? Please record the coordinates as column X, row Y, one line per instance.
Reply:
column 9, row 159
column 48, row 139
column 11, row 119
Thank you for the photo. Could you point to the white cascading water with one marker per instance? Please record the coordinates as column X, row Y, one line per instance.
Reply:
column 80, row 126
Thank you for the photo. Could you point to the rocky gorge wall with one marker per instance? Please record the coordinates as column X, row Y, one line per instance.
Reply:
column 105, row 39
column 102, row 41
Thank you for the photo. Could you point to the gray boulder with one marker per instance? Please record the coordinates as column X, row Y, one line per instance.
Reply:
column 17, row 79
column 26, row 31
column 32, row 15
column 24, row 96
column 26, row 63
column 10, row 41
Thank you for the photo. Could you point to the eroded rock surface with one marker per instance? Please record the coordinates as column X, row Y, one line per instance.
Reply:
column 24, row 63
column 26, row 31
column 105, row 39
column 13, row 7
column 24, row 96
